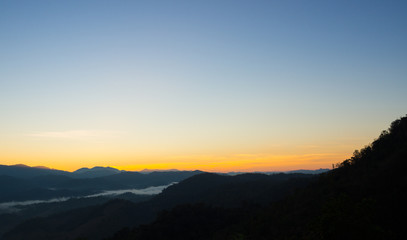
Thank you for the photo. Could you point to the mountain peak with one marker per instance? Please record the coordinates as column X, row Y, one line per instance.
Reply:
column 97, row 171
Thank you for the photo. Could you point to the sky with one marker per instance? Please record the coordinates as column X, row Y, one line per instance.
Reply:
column 209, row 85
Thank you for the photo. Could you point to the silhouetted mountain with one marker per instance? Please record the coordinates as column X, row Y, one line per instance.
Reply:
column 231, row 191
column 24, row 213
column 23, row 171
column 362, row 198
column 98, row 220
column 52, row 186
column 185, row 222
column 124, row 180
column 49, row 181
column 94, row 172
column 9, row 186
column 139, row 180
column 207, row 188
column 15, row 189
column 48, row 187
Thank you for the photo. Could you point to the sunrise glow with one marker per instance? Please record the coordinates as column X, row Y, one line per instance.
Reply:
column 215, row 86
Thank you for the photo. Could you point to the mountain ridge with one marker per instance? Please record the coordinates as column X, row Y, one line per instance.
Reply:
column 21, row 170
column 361, row 198
column 208, row 192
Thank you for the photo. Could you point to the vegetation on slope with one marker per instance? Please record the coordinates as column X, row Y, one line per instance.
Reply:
column 362, row 198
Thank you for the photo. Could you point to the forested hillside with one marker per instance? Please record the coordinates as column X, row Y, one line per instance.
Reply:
column 362, row 198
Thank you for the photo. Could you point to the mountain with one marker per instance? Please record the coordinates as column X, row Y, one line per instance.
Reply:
column 231, row 191
column 95, row 172
column 16, row 189
column 124, row 180
column 75, row 224
column 42, row 187
column 226, row 191
column 137, row 180
column 12, row 216
column 362, row 198
column 23, row 171
column 56, row 186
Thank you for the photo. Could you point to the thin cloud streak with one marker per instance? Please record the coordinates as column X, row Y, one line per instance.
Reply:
column 75, row 134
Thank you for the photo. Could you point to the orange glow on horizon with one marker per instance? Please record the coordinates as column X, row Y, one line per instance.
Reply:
column 71, row 155
column 259, row 164
column 234, row 163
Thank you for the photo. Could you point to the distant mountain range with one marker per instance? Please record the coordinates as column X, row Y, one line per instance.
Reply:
column 361, row 198
column 54, row 191
column 24, row 171
column 22, row 183
column 218, row 190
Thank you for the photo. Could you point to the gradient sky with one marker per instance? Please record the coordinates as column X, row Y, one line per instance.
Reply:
column 210, row 85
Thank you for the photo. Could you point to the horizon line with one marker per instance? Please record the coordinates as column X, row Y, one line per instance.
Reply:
column 166, row 170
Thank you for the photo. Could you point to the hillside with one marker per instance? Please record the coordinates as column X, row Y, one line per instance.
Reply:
column 226, row 191
column 362, row 198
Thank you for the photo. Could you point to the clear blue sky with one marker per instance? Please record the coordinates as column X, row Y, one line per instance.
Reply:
column 229, row 84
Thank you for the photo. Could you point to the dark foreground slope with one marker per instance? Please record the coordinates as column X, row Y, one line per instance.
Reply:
column 362, row 198
column 225, row 192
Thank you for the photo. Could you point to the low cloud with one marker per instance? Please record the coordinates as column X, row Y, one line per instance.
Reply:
column 12, row 206
column 144, row 191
